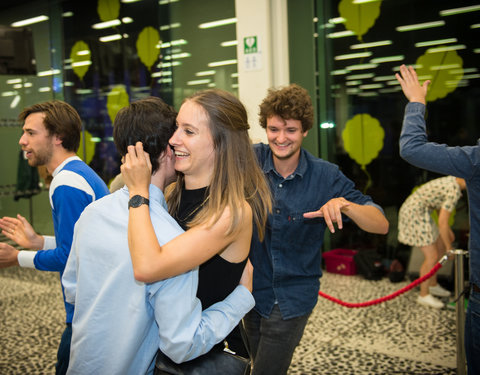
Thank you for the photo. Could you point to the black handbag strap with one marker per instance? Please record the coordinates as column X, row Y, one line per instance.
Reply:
column 241, row 327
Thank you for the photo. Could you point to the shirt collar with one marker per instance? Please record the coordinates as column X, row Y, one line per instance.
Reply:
column 67, row 160
column 300, row 170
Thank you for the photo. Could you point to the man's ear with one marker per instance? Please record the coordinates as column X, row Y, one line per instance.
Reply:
column 167, row 153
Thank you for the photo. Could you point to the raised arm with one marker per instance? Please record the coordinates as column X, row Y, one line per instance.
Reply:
column 152, row 262
column 410, row 86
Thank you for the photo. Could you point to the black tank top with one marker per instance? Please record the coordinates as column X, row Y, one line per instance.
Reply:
column 217, row 277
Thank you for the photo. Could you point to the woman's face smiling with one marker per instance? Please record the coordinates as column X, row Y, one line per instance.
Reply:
column 193, row 145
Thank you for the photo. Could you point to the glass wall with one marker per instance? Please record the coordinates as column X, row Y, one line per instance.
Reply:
column 360, row 46
column 99, row 55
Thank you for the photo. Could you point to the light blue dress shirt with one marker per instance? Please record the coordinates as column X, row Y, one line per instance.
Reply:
column 119, row 323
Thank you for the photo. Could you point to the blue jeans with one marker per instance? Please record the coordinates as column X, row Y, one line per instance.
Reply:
column 63, row 354
column 273, row 340
column 472, row 333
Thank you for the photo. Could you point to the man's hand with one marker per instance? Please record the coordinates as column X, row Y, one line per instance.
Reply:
column 8, row 255
column 247, row 276
column 331, row 212
column 411, row 87
column 19, row 230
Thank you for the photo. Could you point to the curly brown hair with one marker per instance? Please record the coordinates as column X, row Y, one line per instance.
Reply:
column 290, row 102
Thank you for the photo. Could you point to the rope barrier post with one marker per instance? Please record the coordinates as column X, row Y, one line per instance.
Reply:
column 460, row 310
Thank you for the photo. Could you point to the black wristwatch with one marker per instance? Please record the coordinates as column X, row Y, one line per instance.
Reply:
column 137, row 201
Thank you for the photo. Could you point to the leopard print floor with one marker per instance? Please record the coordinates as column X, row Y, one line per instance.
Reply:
column 395, row 337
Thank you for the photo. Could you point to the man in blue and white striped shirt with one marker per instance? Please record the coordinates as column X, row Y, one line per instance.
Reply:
column 51, row 137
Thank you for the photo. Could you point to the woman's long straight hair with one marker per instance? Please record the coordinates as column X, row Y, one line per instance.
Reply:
column 236, row 176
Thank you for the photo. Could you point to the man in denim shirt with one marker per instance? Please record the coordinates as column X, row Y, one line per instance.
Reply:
column 457, row 161
column 310, row 195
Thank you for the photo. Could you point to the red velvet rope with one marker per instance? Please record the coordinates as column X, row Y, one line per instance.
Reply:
column 385, row 298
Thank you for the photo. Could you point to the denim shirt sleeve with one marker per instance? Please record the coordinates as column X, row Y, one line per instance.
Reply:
column 439, row 158
column 185, row 330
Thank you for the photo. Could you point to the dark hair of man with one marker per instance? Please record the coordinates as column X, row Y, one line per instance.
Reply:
column 61, row 119
column 290, row 103
column 150, row 121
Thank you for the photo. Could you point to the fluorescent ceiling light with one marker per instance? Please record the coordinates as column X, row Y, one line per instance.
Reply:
column 414, row 66
column 362, row 66
column 17, row 86
column 165, row 80
column 81, row 63
column 340, row 34
column 129, row 1
column 162, row 73
column 425, row 77
column 370, row 93
column 205, row 73
column 68, row 83
column 420, row 26
column 471, row 76
column 371, row 44
column 170, row 26
column 382, row 78
column 371, row 86
column 337, row 20
column 353, row 83
column 234, row 85
column 450, row 12
column 389, row 90
column 446, row 49
column 177, row 42
column 229, row 43
column 360, row 76
column 363, row 1
column 209, row 25
column 380, row 60
column 353, row 90
column 15, row 102
column 393, row 83
column 327, row 125
column 221, row 63
column 165, row 64
column 27, row 84
column 127, row 20
column 83, row 52
column 106, row 24
column 9, row 93
column 110, row 38
column 476, row 50
column 339, row 72
column 444, row 67
column 463, row 71
column 234, row 75
column 29, row 21
column 353, row 55
column 198, row 82
column 436, row 42
column 44, row 89
column 475, row 26
column 46, row 73
column 13, row 81
column 67, row 14
column 175, row 56
column 163, row 2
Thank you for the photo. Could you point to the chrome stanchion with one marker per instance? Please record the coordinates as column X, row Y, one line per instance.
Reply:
column 460, row 310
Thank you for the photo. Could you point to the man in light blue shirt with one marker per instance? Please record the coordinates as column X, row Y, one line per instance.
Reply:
column 120, row 323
